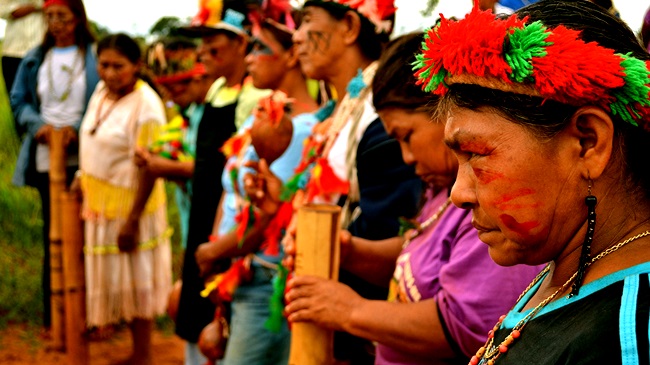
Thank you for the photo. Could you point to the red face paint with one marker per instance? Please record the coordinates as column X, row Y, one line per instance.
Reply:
column 515, row 194
column 514, row 206
column 523, row 229
column 486, row 177
column 476, row 147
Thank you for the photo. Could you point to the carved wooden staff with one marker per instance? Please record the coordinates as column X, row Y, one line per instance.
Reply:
column 57, row 185
column 74, row 280
column 317, row 253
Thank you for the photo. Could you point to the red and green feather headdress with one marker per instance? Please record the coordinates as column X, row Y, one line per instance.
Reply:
column 522, row 57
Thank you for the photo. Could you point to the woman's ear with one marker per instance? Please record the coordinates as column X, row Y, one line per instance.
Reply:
column 242, row 48
column 292, row 57
column 352, row 23
column 593, row 130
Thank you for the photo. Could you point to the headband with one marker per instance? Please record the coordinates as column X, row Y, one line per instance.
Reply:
column 513, row 55
column 48, row 3
column 169, row 66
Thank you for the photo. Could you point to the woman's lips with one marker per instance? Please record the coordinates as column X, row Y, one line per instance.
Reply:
column 481, row 228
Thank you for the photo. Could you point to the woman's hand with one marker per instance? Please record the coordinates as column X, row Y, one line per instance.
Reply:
column 141, row 157
column 289, row 247
column 127, row 240
column 263, row 188
column 23, row 11
column 43, row 134
column 75, row 186
column 326, row 303
column 70, row 137
column 152, row 163
column 345, row 239
column 205, row 258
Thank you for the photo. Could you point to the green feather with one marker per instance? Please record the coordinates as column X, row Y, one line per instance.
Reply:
column 635, row 90
column 291, row 186
column 276, row 303
column 405, row 225
column 526, row 43
column 430, row 81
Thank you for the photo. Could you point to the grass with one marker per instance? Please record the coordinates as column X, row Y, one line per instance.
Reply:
column 20, row 233
column 21, row 248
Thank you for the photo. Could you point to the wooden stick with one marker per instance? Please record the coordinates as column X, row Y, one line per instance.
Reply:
column 74, row 279
column 57, row 185
column 317, row 253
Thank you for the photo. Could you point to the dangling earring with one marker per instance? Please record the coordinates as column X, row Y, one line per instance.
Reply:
column 585, row 255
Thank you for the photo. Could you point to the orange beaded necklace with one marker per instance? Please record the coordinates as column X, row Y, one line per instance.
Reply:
column 490, row 352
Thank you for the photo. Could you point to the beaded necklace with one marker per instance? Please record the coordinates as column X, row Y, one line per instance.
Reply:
column 70, row 70
column 352, row 101
column 490, row 352
column 411, row 234
column 99, row 117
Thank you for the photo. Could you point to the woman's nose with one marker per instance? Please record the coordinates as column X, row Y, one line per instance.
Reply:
column 298, row 35
column 463, row 193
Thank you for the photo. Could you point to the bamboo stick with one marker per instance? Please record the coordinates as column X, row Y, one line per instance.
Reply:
column 317, row 253
column 57, row 185
column 74, row 280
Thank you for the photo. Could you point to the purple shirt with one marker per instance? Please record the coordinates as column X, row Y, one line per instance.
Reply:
column 448, row 262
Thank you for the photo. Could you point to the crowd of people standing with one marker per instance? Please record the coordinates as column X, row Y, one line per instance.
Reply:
column 488, row 170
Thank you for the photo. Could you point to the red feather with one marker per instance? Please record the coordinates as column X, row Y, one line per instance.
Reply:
column 324, row 181
column 275, row 229
column 230, row 280
column 471, row 46
column 588, row 79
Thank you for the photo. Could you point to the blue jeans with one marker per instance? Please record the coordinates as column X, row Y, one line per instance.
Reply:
column 193, row 355
column 250, row 342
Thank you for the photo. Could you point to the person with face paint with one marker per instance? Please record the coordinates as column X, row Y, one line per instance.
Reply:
column 272, row 64
column 127, row 247
column 229, row 101
column 184, row 83
column 51, row 91
column 549, row 122
column 350, row 159
column 441, row 276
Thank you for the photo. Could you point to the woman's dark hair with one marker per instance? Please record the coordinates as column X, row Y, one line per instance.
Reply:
column 370, row 43
column 283, row 37
column 546, row 118
column 82, row 32
column 130, row 49
column 394, row 86
column 123, row 44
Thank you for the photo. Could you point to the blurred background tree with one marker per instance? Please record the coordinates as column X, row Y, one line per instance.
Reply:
column 166, row 26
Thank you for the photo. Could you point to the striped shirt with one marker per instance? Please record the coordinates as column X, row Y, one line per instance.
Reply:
column 24, row 33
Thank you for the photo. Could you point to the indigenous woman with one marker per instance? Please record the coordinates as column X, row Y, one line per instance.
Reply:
column 549, row 121
column 276, row 133
column 350, row 159
column 442, row 279
column 51, row 91
column 183, row 80
column 128, row 255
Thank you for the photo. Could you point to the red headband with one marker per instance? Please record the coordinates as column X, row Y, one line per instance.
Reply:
column 197, row 70
column 55, row 2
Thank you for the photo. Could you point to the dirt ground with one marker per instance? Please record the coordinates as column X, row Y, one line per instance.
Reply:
column 23, row 346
